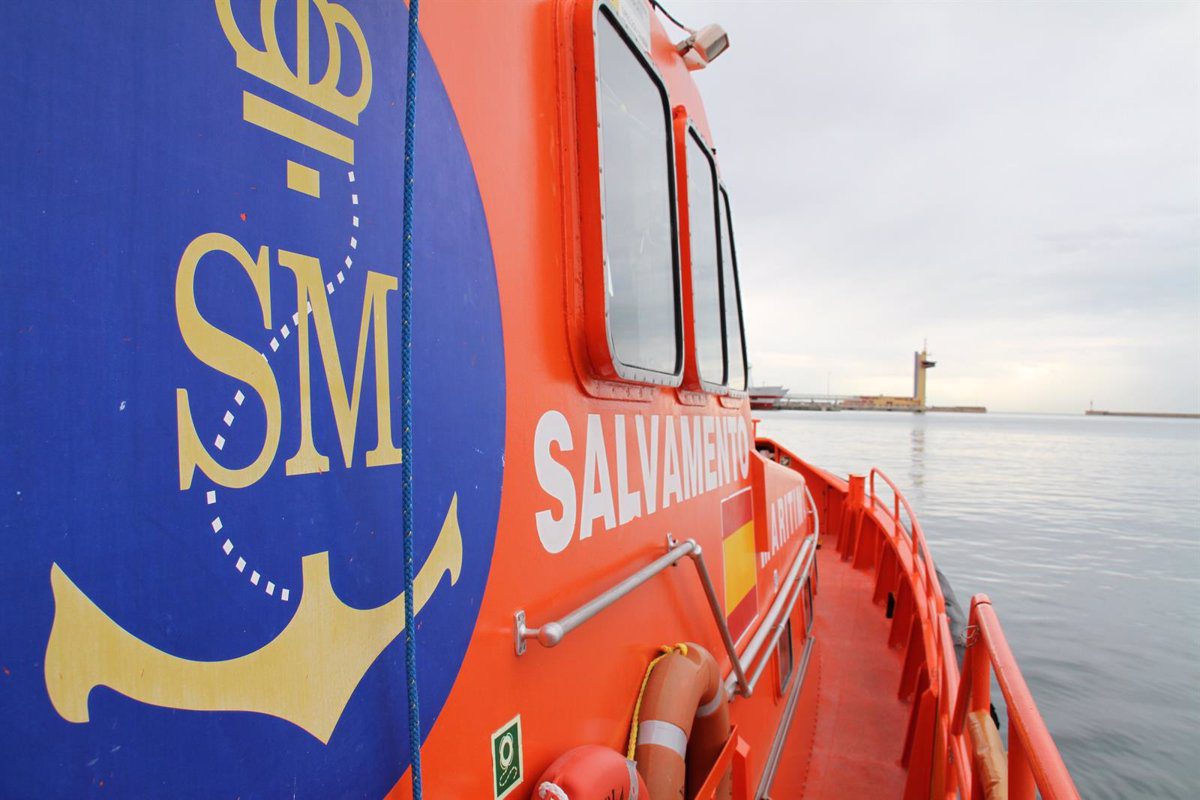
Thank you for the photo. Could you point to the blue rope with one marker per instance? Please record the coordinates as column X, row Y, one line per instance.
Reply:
column 406, row 435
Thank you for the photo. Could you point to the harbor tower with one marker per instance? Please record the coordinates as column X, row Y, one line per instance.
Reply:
column 921, row 363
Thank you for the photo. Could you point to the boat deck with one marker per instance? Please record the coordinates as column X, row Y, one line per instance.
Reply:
column 861, row 723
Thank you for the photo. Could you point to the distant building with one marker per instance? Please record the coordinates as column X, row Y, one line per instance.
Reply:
column 883, row 402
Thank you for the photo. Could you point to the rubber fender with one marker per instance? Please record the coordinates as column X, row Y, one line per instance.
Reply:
column 991, row 762
column 590, row 772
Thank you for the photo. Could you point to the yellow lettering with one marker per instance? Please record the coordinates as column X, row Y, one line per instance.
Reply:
column 311, row 291
column 227, row 354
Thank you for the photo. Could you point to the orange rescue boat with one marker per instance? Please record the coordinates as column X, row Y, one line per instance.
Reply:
column 379, row 426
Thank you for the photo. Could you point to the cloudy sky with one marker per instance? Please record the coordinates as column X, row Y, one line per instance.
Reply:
column 1018, row 183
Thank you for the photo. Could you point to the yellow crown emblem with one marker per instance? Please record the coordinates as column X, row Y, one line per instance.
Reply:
column 269, row 64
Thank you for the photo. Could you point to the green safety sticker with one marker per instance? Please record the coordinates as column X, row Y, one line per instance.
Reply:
column 508, row 770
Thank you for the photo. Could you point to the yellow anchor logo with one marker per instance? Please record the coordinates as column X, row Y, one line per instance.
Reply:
column 305, row 675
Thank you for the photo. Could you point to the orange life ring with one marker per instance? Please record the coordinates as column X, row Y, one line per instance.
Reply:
column 590, row 772
column 682, row 724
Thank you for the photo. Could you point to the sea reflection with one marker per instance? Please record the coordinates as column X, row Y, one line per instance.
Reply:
column 916, row 472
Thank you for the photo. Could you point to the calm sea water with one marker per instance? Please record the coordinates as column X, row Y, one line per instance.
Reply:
column 1085, row 532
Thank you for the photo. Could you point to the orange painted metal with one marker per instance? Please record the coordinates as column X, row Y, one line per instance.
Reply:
column 521, row 78
column 1034, row 762
column 771, row 482
column 517, row 75
column 855, row 725
column 721, row 767
column 886, row 538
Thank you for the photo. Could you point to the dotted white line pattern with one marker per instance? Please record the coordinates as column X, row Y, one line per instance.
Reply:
column 210, row 496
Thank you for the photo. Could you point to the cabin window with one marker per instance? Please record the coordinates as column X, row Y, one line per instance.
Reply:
column 706, row 275
column 735, row 341
column 785, row 657
column 641, row 273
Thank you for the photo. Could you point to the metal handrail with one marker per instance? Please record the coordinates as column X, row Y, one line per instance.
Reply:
column 775, row 754
column 1034, row 763
column 929, row 603
column 929, row 600
column 920, row 549
column 551, row 633
column 1033, row 758
column 773, row 624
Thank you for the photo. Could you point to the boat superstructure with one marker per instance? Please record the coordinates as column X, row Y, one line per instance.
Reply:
column 202, row 569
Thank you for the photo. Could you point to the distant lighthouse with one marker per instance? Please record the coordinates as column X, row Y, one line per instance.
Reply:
column 921, row 363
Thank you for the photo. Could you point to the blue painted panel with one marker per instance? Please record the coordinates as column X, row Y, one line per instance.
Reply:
column 124, row 141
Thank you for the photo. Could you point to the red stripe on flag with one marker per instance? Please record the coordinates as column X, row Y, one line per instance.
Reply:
column 736, row 511
column 740, row 618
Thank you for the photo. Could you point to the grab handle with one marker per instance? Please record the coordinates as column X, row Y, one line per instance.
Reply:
column 551, row 633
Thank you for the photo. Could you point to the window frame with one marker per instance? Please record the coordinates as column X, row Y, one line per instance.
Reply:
column 602, row 354
column 693, row 134
column 693, row 380
column 737, row 295
column 785, row 667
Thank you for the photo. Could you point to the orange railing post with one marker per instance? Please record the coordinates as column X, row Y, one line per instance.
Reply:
column 1021, row 784
column 741, row 771
column 723, row 766
column 1034, row 763
column 851, row 518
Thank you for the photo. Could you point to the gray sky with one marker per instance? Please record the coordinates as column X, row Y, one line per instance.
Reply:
column 1019, row 183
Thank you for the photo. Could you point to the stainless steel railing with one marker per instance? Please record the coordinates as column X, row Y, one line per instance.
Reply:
column 798, row 580
column 551, row 633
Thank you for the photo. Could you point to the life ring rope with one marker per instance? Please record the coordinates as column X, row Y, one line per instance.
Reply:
column 664, row 651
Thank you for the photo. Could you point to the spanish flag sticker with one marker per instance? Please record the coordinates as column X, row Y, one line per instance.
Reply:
column 741, row 577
